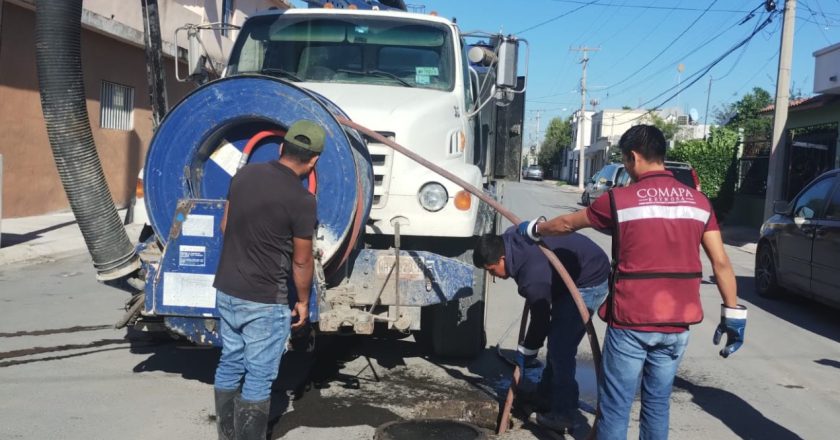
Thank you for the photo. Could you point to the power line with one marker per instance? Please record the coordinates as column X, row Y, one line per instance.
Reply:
column 680, row 58
column 612, row 9
column 637, row 45
column 741, row 55
column 621, row 30
column 674, row 41
column 556, row 18
column 705, row 70
column 666, row 8
column 757, row 72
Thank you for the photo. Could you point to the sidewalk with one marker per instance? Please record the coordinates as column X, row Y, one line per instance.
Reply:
column 46, row 237
column 565, row 187
column 742, row 237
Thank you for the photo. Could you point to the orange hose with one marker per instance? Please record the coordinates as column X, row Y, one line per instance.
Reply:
column 312, row 184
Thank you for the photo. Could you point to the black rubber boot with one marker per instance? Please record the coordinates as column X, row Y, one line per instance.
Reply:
column 224, row 412
column 250, row 419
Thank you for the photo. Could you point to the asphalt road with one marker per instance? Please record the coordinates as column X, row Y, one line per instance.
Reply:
column 66, row 374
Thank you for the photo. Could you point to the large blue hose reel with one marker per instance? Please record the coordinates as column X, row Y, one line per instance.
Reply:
column 197, row 147
column 191, row 160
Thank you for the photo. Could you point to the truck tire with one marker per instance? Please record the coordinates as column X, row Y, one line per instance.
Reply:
column 456, row 328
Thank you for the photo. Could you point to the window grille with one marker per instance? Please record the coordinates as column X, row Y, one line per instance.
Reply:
column 116, row 106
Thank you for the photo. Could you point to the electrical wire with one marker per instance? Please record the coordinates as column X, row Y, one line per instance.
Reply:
column 671, row 44
column 813, row 20
column 759, row 70
column 676, row 60
column 622, row 29
column 591, row 30
column 553, row 19
column 645, row 38
column 666, row 8
column 741, row 55
column 697, row 76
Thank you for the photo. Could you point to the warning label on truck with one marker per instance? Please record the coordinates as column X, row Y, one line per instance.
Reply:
column 227, row 157
column 192, row 256
column 188, row 290
column 198, row 225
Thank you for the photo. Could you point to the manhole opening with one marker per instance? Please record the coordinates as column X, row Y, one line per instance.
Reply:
column 429, row 429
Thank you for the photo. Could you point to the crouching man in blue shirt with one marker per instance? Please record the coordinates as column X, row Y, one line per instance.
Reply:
column 553, row 311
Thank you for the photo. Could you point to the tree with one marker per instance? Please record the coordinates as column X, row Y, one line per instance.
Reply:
column 669, row 129
column 744, row 113
column 715, row 162
column 558, row 137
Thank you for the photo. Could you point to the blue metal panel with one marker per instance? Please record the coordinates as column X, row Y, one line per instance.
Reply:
column 180, row 162
column 181, row 288
column 425, row 278
column 183, row 283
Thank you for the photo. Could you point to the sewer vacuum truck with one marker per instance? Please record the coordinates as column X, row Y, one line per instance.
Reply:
column 394, row 240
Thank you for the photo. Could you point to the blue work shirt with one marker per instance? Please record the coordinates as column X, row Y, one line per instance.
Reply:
column 540, row 284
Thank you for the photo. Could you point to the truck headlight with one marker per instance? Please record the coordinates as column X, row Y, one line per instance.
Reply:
column 433, row 196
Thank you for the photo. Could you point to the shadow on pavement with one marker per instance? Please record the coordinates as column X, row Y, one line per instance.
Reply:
column 191, row 361
column 10, row 239
column 797, row 310
column 738, row 415
column 739, row 235
column 828, row 363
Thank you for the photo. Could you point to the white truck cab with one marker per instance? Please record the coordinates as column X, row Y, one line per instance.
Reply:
column 402, row 74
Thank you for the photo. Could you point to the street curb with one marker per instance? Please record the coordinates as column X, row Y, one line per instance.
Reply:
column 44, row 252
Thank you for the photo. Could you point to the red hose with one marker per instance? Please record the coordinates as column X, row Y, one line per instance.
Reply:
column 312, row 185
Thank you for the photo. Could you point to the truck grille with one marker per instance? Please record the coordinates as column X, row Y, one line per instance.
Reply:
column 382, row 157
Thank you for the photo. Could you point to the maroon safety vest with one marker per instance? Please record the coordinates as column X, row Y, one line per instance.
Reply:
column 658, row 227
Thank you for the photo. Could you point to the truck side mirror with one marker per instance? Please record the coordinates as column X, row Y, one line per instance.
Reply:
column 609, row 183
column 506, row 70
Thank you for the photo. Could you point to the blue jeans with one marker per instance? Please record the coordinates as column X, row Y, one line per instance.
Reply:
column 567, row 330
column 254, row 338
column 629, row 354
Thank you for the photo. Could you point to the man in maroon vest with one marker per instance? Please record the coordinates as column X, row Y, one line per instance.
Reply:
column 658, row 225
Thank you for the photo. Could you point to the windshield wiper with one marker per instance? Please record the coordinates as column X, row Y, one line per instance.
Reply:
column 380, row 73
column 281, row 72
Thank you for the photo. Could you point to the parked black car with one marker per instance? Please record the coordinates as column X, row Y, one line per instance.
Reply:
column 799, row 248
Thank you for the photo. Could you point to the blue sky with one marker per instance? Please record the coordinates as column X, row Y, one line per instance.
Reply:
column 642, row 42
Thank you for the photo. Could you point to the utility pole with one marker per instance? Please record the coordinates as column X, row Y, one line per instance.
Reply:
column 155, row 71
column 775, row 170
column 582, row 118
column 706, row 117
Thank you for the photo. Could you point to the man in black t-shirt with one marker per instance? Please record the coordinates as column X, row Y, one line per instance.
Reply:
column 553, row 311
column 268, row 225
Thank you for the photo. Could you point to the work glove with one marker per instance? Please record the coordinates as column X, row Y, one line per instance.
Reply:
column 528, row 229
column 733, row 321
column 525, row 357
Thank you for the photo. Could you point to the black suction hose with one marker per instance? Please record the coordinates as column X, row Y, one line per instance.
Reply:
column 58, row 55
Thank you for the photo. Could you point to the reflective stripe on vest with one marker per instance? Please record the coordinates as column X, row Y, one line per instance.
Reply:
column 663, row 211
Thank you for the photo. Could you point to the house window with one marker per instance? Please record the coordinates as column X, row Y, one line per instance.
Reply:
column 227, row 16
column 116, row 106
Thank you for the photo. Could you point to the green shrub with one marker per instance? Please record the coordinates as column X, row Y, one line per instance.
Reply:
column 715, row 161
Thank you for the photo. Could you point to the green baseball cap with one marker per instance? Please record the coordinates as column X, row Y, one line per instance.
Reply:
column 307, row 135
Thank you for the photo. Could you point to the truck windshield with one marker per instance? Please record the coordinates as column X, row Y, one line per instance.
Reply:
column 347, row 49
